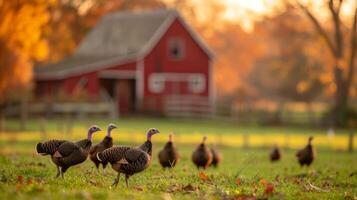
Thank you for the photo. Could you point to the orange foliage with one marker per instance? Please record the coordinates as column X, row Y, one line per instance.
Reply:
column 21, row 24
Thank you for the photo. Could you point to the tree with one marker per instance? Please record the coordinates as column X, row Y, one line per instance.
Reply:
column 286, row 71
column 21, row 42
column 344, row 61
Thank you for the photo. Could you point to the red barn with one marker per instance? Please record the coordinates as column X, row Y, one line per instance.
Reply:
column 146, row 61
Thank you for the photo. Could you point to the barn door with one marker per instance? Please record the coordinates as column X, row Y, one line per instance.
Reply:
column 125, row 96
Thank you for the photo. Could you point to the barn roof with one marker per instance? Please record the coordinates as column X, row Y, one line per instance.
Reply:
column 118, row 37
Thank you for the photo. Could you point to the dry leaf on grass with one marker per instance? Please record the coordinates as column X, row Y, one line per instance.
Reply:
column 263, row 182
column 29, row 181
column 203, row 176
column 238, row 181
column 269, row 188
column 20, row 179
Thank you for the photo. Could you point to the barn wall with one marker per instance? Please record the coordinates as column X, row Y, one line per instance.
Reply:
column 72, row 84
column 159, row 61
column 46, row 88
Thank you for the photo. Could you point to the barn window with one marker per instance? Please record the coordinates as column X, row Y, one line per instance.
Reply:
column 176, row 48
column 156, row 83
column 196, row 83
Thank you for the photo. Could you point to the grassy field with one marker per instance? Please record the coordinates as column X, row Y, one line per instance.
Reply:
column 244, row 172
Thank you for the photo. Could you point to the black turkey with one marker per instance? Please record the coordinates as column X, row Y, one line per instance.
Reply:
column 306, row 155
column 129, row 160
column 106, row 143
column 216, row 156
column 65, row 153
column 275, row 154
column 202, row 156
column 169, row 156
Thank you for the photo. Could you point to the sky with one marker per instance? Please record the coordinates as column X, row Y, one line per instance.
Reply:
column 246, row 11
column 235, row 7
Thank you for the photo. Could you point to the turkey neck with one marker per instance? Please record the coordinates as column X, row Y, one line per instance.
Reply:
column 89, row 136
column 309, row 147
column 169, row 145
column 147, row 147
column 86, row 143
column 107, row 141
column 109, row 131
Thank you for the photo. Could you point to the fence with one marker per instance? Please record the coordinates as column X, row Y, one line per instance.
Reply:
column 187, row 106
column 66, row 109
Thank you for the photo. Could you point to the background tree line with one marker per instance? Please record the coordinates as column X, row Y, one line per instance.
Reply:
column 292, row 54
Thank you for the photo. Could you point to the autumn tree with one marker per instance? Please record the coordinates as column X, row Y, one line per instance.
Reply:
column 21, row 43
column 341, row 42
column 286, row 72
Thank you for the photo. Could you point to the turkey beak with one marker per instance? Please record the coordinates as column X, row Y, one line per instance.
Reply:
column 99, row 129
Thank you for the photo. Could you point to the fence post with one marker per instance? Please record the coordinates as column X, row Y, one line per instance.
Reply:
column 350, row 141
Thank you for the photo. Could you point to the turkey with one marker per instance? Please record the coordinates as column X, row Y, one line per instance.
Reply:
column 106, row 143
column 275, row 154
column 202, row 156
column 216, row 156
column 129, row 160
column 168, row 156
column 65, row 154
column 306, row 155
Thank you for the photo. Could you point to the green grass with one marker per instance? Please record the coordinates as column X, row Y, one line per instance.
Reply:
column 335, row 173
column 25, row 175
column 132, row 124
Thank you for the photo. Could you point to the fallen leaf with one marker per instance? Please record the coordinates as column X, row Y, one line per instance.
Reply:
column 269, row 188
column 263, row 182
column 20, row 179
column 203, row 176
column 29, row 181
column 238, row 181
